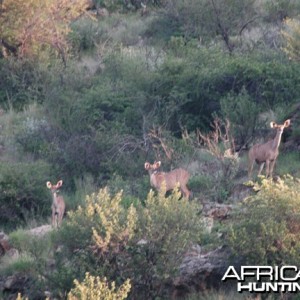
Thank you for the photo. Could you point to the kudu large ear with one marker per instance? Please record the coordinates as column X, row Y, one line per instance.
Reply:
column 49, row 185
column 59, row 183
column 157, row 164
column 147, row 166
column 287, row 123
column 273, row 125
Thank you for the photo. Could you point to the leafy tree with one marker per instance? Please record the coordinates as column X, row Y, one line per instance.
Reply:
column 30, row 27
column 205, row 20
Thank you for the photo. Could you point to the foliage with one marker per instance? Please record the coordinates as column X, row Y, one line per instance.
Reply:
column 23, row 192
column 38, row 25
column 19, row 297
column 132, row 87
column 291, row 35
column 21, row 83
column 93, row 236
column 111, row 5
column 221, row 145
column 288, row 163
column 189, row 86
column 278, row 10
column 24, row 263
column 38, row 247
column 143, row 243
column 167, row 227
column 94, row 288
column 132, row 191
column 204, row 20
column 31, row 257
column 265, row 230
column 243, row 114
column 102, row 124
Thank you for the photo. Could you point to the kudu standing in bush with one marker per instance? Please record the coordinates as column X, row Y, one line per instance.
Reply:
column 58, row 203
column 267, row 153
column 168, row 180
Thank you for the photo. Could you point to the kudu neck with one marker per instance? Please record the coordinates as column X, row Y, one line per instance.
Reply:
column 153, row 172
column 55, row 194
column 277, row 139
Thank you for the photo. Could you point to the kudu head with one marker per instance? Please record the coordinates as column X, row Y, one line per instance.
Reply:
column 54, row 188
column 280, row 127
column 153, row 167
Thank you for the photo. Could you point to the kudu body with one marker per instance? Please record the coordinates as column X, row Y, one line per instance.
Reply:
column 168, row 180
column 267, row 153
column 58, row 203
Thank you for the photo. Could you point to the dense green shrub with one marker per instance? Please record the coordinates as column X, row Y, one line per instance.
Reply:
column 278, row 10
column 32, row 258
column 21, row 83
column 265, row 230
column 189, row 87
column 36, row 246
column 144, row 244
column 243, row 113
column 167, row 227
column 23, row 192
column 99, row 124
column 94, row 288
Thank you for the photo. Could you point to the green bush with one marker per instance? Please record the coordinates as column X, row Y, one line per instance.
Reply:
column 94, row 288
column 84, row 35
column 288, row 163
column 24, row 263
column 243, row 114
column 23, row 192
column 37, row 246
column 21, row 83
column 144, row 244
column 278, row 10
column 31, row 258
column 167, row 227
column 84, row 249
column 189, row 87
column 265, row 230
column 201, row 183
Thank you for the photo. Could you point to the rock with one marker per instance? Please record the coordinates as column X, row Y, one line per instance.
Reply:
column 15, row 282
column 240, row 192
column 40, row 231
column 201, row 271
column 216, row 210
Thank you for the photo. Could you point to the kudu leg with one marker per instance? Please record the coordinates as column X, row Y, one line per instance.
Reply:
column 272, row 164
column 60, row 217
column 53, row 218
column 267, row 168
column 186, row 192
column 261, row 166
column 250, row 169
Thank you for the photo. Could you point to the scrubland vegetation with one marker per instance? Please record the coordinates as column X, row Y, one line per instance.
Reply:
column 88, row 93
